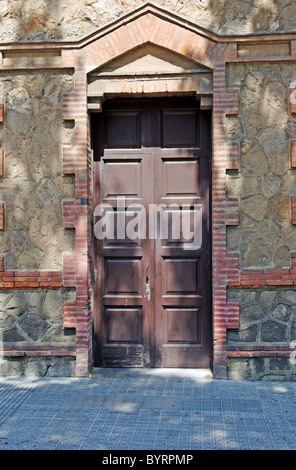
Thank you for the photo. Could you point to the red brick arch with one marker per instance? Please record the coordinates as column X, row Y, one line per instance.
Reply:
column 149, row 25
column 149, row 29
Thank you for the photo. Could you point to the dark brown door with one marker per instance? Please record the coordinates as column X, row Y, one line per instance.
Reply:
column 152, row 234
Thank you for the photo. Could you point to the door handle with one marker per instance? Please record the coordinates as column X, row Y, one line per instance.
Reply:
column 147, row 290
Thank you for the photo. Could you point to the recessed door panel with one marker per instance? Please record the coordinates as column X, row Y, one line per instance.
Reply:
column 180, row 177
column 180, row 128
column 123, row 325
column 123, row 276
column 180, row 276
column 181, row 225
column 122, row 129
column 122, row 178
column 181, row 326
column 120, row 226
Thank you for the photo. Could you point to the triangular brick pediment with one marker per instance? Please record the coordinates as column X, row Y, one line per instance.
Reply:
column 187, row 45
column 150, row 59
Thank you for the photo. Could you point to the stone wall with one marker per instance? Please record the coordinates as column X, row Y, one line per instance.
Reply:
column 33, row 187
column 267, row 327
column 35, row 319
column 34, row 239
column 65, row 19
column 265, row 236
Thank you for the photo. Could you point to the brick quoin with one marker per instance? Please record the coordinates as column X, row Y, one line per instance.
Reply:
column 293, row 210
column 292, row 100
column 269, row 277
column 39, row 280
column 1, row 162
column 1, row 109
column 76, row 214
column 225, row 266
column 2, row 216
column 293, row 153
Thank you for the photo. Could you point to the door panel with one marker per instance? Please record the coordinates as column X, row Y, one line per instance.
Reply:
column 179, row 177
column 180, row 128
column 123, row 325
column 180, row 276
column 123, row 178
column 123, row 276
column 153, row 297
column 122, row 129
column 181, row 325
column 122, row 312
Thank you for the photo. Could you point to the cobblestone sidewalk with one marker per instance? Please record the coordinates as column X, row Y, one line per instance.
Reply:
column 146, row 410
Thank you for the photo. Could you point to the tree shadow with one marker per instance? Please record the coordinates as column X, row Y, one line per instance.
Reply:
column 145, row 410
column 67, row 20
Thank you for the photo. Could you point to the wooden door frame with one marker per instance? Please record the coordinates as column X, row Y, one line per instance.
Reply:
column 205, row 124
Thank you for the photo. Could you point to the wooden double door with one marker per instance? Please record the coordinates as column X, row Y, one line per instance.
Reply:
column 152, row 234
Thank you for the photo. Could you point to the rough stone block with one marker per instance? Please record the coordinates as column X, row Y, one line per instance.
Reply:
column 239, row 369
column 279, row 364
column 273, row 332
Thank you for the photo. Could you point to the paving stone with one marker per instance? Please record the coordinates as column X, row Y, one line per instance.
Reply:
column 186, row 413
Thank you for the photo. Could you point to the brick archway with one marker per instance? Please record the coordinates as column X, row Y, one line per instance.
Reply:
column 163, row 30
